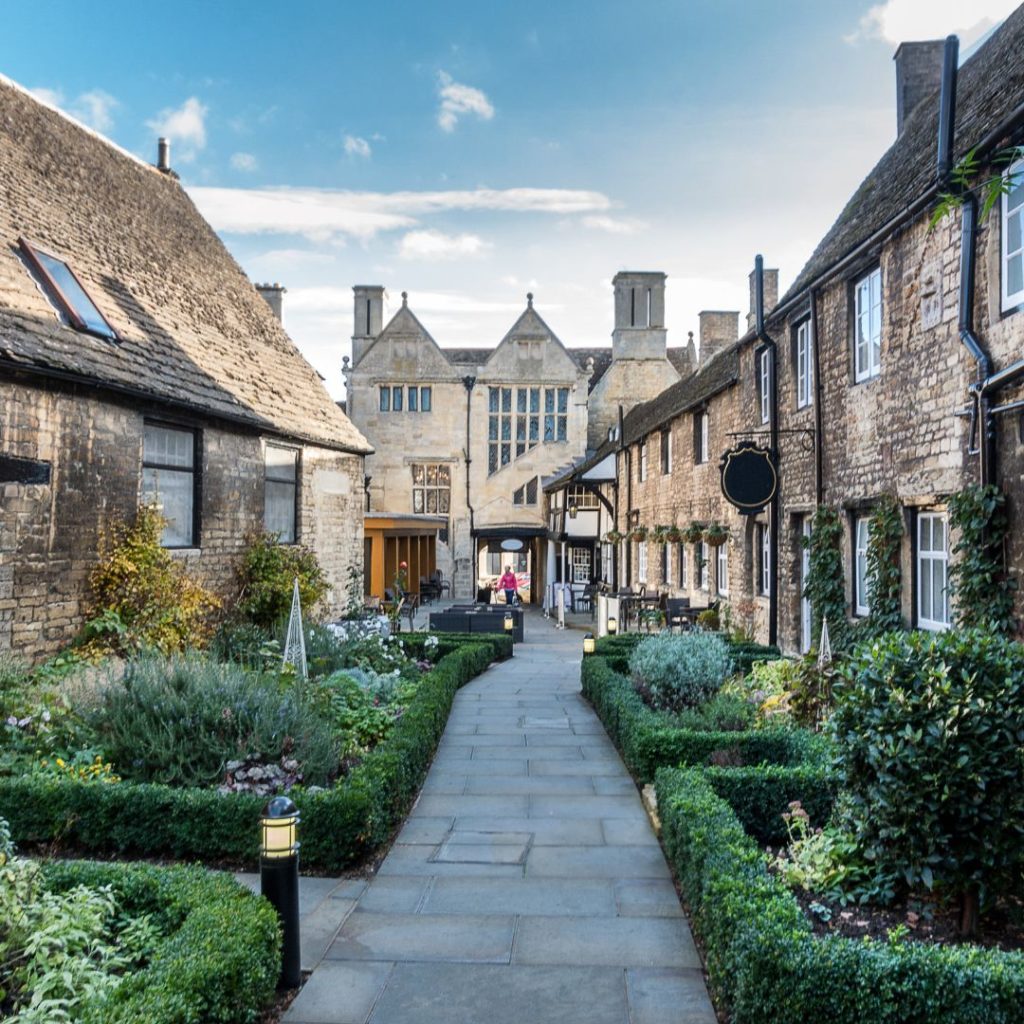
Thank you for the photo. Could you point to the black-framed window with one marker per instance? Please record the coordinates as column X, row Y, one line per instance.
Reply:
column 281, row 491
column 666, row 452
column 67, row 292
column 527, row 494
column 170, row 481
column 666, row 559
column 701, row 436
column 764, row 561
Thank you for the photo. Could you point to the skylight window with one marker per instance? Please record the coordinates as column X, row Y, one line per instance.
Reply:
column 67, row 292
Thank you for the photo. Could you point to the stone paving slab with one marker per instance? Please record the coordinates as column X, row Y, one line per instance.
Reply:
column 526, row 886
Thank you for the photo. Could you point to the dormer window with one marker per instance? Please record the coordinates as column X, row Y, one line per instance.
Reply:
column 66, row 292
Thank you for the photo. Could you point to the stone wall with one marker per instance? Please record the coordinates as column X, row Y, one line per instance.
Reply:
column 49, row 533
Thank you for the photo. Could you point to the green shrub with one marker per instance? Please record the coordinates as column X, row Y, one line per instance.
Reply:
column 267, row 579
column 178, row 721
column 340, row 826
column 928, row 731
column 825, row 587
column 745, row 654
column 722, row 713
column 680, row 671
column 763, row 962
column 884, row 578
column 437, row 645
column 141, row 597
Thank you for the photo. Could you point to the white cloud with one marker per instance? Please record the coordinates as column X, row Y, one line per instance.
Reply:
column 898, row 20
column 94, row 108
column 436, row 245
column 320, row 213
column 355, row 146
column 244, row 162
column 613, row 225
column 185, row 126
column 52, row 97
column 458, row 99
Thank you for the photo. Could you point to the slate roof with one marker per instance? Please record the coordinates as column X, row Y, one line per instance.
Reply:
column 194, row 331
column 990, row 88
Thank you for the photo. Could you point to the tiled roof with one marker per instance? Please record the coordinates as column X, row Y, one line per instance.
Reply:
column 194, row 331
column 990, row 89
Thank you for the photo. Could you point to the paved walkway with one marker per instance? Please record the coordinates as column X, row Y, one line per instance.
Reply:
column 526, row 886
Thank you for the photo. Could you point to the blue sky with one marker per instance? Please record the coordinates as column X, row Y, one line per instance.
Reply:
column 469, row 152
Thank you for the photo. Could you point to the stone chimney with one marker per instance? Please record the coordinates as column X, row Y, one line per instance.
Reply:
column 273, row 295
column 918, row 75
column 771, row 295
column 639, row 315
column 367, row 317
column 718, row 330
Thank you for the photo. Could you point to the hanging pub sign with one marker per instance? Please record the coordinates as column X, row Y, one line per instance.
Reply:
column 749, row 477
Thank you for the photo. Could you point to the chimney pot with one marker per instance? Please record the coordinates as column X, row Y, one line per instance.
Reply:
column 163, row 155
column 718, row 330
column 918, row 75
column 273, row 295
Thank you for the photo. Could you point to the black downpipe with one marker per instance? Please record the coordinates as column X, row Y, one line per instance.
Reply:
column 469, row 383
column 947, row 110
column 615, row 526
column 773, row 534
column 819, row 436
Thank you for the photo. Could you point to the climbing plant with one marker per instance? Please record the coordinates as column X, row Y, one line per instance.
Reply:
column 978, row 582
column 824, row 587
column 885, row 533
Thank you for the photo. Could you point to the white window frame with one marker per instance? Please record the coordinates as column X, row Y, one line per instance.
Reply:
column 764, row 383
column 804, row 370
column 867, row 326
column 643, row 460
column 1011, row 300
column 764, row 583
column 703, row 566
column 930, row 560
column 580, row 564
column 703, row 437
column 861, row 586
column 641, row 561
column 722, row 568
column 683, row 575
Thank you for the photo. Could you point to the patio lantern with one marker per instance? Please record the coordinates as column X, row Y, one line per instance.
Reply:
column 510, row 622
column 279, row 880
column 588, row 643
column 613, row 624
column 573, row 510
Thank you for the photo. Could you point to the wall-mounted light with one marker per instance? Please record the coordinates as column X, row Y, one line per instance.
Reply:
column 573, row 510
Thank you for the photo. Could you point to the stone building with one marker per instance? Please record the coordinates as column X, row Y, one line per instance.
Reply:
column 137, row 364
column 471, row 433
column 899, row 370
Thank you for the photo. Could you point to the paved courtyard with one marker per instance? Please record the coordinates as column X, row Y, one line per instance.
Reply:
column 526, row 887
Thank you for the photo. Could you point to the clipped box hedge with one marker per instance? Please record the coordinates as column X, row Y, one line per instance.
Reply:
column 744, row 653
column 763, row 960
column 339, row 826
column 415, row 644
column 220, row 954
column 648, row 740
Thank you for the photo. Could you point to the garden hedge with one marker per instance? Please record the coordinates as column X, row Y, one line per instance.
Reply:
column 744, row 653
column 648, row 740
column 220, row 954
column 415, row 644
column 765, row 964
column 339, row 826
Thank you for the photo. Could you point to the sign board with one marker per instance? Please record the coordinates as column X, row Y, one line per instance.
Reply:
column 512, row 544
column 749, row 477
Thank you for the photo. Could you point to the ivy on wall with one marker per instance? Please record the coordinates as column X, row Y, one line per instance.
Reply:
column 824, row 587
column 885, row 536
column 979, row 585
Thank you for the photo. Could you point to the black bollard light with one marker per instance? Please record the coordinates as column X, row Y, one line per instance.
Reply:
column 588, row 643
column 279, row 880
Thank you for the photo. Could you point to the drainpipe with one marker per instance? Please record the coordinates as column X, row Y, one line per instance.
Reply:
column 819, row 437
column 615, row 494
column 773, row 536
column 469, row 383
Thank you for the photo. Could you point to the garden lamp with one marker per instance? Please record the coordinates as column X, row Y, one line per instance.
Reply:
column 510, row 622
column 279, row 880
column 613, row 624
column 588, row 643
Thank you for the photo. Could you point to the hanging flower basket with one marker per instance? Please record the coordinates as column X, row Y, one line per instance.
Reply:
column 716, row 534
column 660, row 534
column 638, row 533
column 613, row 536
column 673, row 535
column 694, row 533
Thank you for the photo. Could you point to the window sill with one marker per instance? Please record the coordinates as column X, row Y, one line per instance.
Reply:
column 184, row 551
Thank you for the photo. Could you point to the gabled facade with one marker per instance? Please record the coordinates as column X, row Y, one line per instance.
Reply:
column 137, row 364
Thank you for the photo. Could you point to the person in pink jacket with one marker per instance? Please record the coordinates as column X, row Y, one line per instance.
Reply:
column 509, row 584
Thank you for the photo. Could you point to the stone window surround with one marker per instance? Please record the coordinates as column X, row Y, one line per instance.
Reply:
column 521, row 417
column 1012, row 300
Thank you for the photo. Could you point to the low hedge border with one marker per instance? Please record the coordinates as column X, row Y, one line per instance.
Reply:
column 415, row 644
column 647, row 740
column 765, row 964
column 744, row 653
column 339, row 826
column 218, row 961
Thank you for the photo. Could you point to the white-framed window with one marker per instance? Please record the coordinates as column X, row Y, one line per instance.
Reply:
column 280, row 492
column 764, row 376
column 867, row 325
column 643, row 460
column 701, row 436
column 579, row 563
column 169, row 478
column 419, row 398
column 606, row 562
column 722, row 568
column 641, row 561
column 683, row 575
column 932, row 571
column 703, row 565
column 861, row 590
column 804, row 368
column 1013, row 242
column 764, row 568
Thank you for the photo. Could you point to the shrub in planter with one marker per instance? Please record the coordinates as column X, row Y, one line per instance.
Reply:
column 694, row 533
column 928, row 730
column 267, row 578
column 638, row 533
column 680, row 671
column 716, row 534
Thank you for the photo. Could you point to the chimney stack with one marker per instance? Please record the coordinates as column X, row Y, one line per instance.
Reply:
column 918, row 75
column 771, row 294
column 718, row 330
column 163, row 155
column 273, row 295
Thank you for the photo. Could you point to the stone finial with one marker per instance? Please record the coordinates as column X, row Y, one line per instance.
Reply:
column 405, row 298
column 345, row 367
column 529, row 300
column 590, row 367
